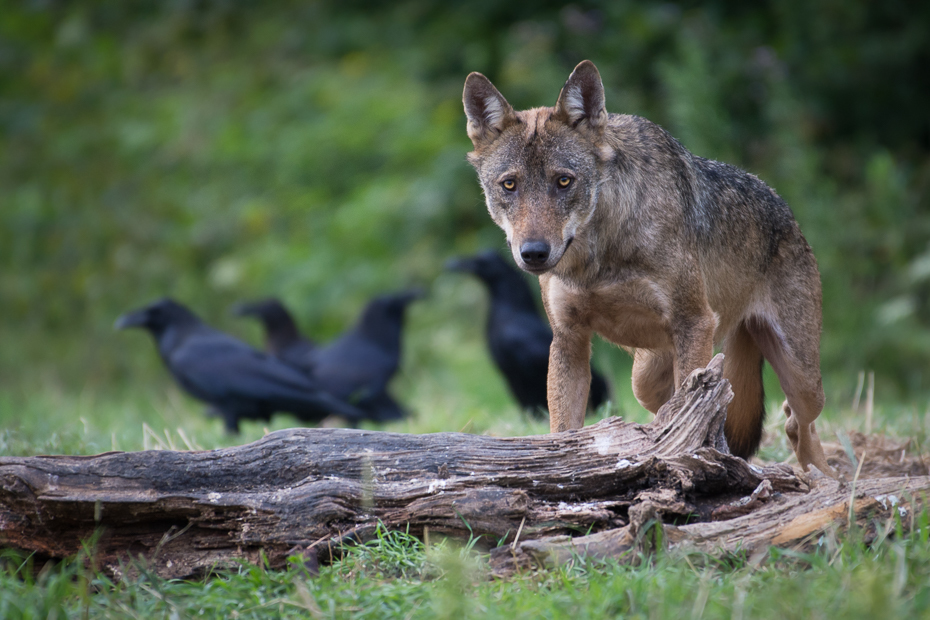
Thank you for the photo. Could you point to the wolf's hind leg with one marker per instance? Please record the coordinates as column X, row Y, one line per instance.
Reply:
column 742, row 367
column 653, row 377
column 795, row 356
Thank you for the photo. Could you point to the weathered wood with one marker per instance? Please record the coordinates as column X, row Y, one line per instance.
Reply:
column 784, row 520
column 305, row 490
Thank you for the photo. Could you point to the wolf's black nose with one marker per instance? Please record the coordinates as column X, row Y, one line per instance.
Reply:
column 534, row 253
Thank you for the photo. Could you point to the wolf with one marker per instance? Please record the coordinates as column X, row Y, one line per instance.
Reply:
column 662, row 252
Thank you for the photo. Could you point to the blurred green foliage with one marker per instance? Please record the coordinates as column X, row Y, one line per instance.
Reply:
column 214, row 150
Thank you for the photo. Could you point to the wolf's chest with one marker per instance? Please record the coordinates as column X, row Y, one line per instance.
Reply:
column 634, row 313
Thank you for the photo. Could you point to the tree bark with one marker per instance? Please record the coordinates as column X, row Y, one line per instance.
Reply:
column 307, row 490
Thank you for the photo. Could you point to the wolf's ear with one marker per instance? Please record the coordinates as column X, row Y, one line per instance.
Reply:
column 487, row 111
column 582, row 97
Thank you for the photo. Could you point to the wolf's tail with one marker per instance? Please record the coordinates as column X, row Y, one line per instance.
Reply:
column 742, row 367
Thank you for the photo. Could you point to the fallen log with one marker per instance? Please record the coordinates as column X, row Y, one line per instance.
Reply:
column 306, row 491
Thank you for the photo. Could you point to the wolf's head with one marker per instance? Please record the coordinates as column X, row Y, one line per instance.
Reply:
column 539, row 167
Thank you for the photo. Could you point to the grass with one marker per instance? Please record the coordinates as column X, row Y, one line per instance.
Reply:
column 396, row 575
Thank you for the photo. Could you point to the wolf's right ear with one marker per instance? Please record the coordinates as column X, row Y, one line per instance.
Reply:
column 487, row 111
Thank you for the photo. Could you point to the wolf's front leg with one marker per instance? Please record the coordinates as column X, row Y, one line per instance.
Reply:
column 693, row 337
column 569, row 379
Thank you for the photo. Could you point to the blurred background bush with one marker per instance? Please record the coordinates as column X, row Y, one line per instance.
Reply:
column 217, row 150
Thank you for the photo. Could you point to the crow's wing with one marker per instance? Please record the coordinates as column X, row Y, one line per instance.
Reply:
column 298, row 354
column 228, row 373
column 519, row 344
column 353, row 368
column 521, row 349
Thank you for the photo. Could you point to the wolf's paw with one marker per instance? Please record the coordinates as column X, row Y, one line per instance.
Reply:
column 806, row 444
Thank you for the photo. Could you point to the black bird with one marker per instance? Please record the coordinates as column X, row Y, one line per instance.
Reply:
column 357, row 365
column 282, row 338
column 232, row 377
column 517, row 336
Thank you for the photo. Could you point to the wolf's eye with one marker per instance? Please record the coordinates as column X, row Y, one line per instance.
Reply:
column 509, row 184
column 564, row 181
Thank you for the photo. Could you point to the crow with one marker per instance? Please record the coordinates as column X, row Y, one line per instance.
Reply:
column 233, row 378
column 357, row 365
column 282, row 338
column 517, row 336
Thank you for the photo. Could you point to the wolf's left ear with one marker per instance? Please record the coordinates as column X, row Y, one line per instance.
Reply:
column 487, row 111
column 582, row 97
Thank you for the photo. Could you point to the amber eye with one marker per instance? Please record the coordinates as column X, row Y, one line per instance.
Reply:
column 509, row 185
column 564, row 181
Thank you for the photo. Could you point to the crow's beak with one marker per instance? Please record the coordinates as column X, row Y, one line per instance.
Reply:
column 131, row 319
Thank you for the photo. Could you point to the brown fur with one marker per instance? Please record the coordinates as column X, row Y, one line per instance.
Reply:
column 657, row 250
